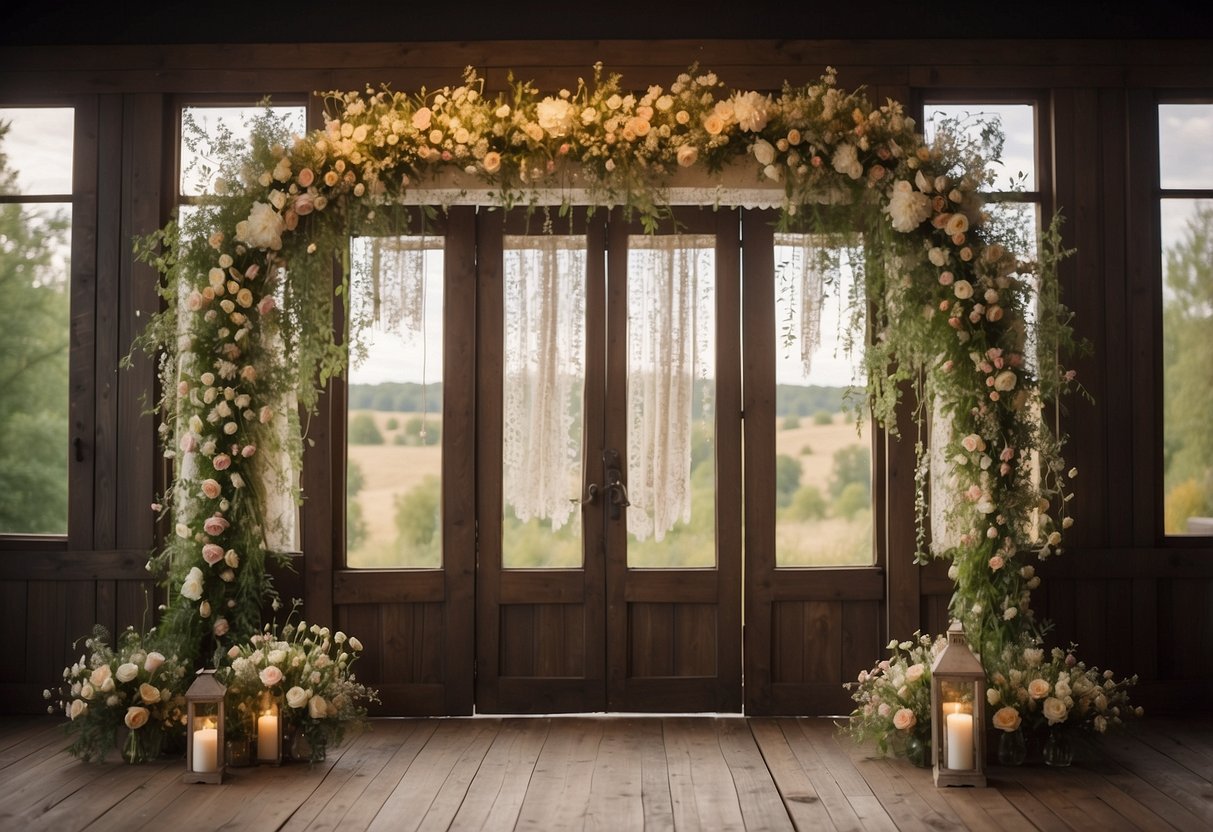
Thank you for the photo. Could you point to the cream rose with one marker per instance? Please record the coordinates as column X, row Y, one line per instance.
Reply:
column 99, row 675
column 126, row 671
column 149, row 693
column 296, row 697
column 846, row 160
column 355, row 645
column 210, row 489
column 136, row 717
column 491, row 161
column 1005, row 381
column 963, row 289
column 153, row 661
column 77, row 709
column 1039, row 688
column 904, row 719
column 958, row 223
column 914, row 672
column 687, row 155
column 270, row 676
column 1055, row 710
column 1007, row 719
column 317, row 708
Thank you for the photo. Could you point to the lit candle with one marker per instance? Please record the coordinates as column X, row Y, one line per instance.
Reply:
column 960, row 741
column 952, row 708
column 267, row 737
column 206, row 749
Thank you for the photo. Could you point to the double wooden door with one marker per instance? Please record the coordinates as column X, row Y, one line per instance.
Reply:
column 610, row 603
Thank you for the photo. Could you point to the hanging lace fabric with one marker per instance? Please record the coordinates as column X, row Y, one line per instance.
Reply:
column 800, row 290
column 671, row 343
column 544, row 367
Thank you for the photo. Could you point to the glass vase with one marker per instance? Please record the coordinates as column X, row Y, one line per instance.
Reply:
column 141, row 745
column 1059, row 750
column 918, row 750
column 1012, row 749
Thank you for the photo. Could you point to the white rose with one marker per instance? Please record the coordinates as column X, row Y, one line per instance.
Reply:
column 1055, row 710
column 937, row 256
column 764, row 152
column 923, row 182
column 263, row 228
column 192, row 587
column 355, row 645
column 752, row 111
column 907, row 208
column 270, row 676
column 914, row 672
column 127, row 671
column 153, row 661
column 317, row 708
column 296, row 697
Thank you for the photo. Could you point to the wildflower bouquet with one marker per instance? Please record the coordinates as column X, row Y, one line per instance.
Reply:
column 130, row 686
column 307, row 670
column 893, row 699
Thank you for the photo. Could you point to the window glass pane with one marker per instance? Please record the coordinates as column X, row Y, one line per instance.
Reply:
column 206, row 130
column 35, row 320
column 1185, row 145
column 671, row 411
column 1017, row 169
column 38, row 145
column 1187, row 315
column 394, row 428
column 823, row 464
column 544, row 384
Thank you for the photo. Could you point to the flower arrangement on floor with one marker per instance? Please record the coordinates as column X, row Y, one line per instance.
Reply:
column 308, row 670
column 893, row 699
column 130, row 685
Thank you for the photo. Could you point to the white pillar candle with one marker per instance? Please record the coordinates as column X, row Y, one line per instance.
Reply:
column 952, row 707
column 206, row 749
column 267, row 737
column 960, row 741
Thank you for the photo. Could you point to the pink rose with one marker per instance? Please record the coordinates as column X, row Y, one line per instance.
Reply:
column 215, row 525
column 270, row 676
column 997, row 562
column 266, row 305
column 252, row 271
column 265, row 414
column 248, row 373
column 904, row 719
column 210, row 489
column 212, row 553
column 189, row 443
column 220, row 627
column 306, row 177
column 221, row 462
column 248, row 450
column 195, row 301
column 304, row 204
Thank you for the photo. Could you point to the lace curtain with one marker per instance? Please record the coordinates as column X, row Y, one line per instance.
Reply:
column 671, row 323
column 544, row 364
column 800, row 292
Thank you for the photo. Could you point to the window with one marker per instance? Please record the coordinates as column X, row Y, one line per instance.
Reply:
column 1185, row 136
column 823, row 455
column 36, row 150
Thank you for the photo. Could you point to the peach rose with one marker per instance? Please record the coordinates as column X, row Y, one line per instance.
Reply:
column 1007, row 719
column 136, row 717
column 1038, row 688
column 904, row 719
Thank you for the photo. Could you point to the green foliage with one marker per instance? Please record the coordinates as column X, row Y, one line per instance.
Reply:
column 419, row 524
column 853, row 499
column 791, row 422
column 34, row 331
column 423, row 431
column 823, row 417
column 808, row 503
column 787, row 478
column 1187, row 499
column 803, row 400
column 364, row 431
column 355, row 522
column 392, row 423
column 852, row 466
column 397, row 397
column 806, row 450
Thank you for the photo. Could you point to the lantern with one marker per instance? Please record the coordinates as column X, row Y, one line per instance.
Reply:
column 958, row 698
column 204, row 746
column 269, row 731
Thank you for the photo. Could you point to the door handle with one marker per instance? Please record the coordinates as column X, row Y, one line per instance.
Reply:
column 591, row 494
column 617, row 491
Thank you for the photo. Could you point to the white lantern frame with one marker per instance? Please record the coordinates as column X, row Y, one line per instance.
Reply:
column 208, row 691
column 958, row 736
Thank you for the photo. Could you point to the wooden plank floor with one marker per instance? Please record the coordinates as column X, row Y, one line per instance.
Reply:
column 618, row 773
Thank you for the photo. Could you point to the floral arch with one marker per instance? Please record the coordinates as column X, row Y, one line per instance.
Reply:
column 966, row 313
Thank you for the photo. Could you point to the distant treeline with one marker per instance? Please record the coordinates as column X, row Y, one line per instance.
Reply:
column 407, row 397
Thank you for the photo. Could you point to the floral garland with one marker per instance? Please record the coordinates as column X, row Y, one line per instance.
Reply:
column 247, row 328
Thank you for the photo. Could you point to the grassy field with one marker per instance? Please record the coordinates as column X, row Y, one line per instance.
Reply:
column 391, row 469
